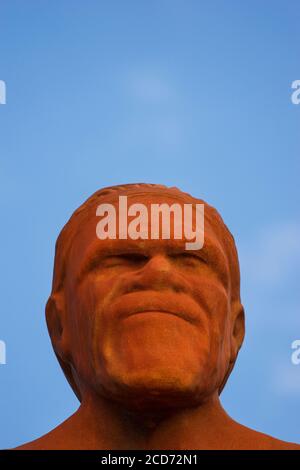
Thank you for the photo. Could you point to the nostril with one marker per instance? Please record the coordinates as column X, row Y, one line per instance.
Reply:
column 135, row 287
column 178, row 288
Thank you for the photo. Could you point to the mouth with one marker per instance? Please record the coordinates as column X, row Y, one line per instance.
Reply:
column 160, row 303
column 158, row 311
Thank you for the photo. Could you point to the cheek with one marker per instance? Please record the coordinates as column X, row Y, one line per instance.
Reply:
column 82, row 301
column 90, row 295
column 214, row 300
column 85, row 304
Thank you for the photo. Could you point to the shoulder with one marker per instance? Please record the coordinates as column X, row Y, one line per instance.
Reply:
column 255, row 440
column 50, row 441
column 60, row 438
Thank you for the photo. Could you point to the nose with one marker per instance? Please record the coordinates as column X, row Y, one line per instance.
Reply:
column 158, row 273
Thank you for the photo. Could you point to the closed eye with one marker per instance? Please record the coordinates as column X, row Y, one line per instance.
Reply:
column 126, row 259
column 188, row 259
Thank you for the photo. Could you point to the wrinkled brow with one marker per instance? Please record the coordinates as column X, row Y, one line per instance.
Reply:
column 211, row 253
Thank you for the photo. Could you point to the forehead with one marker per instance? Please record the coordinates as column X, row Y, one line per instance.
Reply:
column 85, row 239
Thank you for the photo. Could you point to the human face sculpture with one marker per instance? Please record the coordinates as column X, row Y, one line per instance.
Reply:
column 147, row 323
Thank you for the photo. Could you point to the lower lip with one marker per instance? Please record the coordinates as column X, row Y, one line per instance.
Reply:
column 155, row 312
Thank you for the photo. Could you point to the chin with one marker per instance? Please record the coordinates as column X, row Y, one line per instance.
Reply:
column 155, row 388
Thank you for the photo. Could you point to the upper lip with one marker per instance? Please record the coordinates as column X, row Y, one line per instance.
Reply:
column 180, row 305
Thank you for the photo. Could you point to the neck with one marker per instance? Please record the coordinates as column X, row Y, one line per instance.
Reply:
column 106, row 425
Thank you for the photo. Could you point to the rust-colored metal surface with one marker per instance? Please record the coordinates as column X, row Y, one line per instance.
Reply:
column 147, row 334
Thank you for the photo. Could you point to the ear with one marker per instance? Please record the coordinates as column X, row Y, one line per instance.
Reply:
column 238, row 329
column 56, row 323
column 236, row 338
column 58, row 331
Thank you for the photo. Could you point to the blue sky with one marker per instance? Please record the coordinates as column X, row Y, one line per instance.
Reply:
column 194, row 94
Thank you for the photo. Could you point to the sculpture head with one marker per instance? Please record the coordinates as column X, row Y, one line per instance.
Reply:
column 145, row 323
